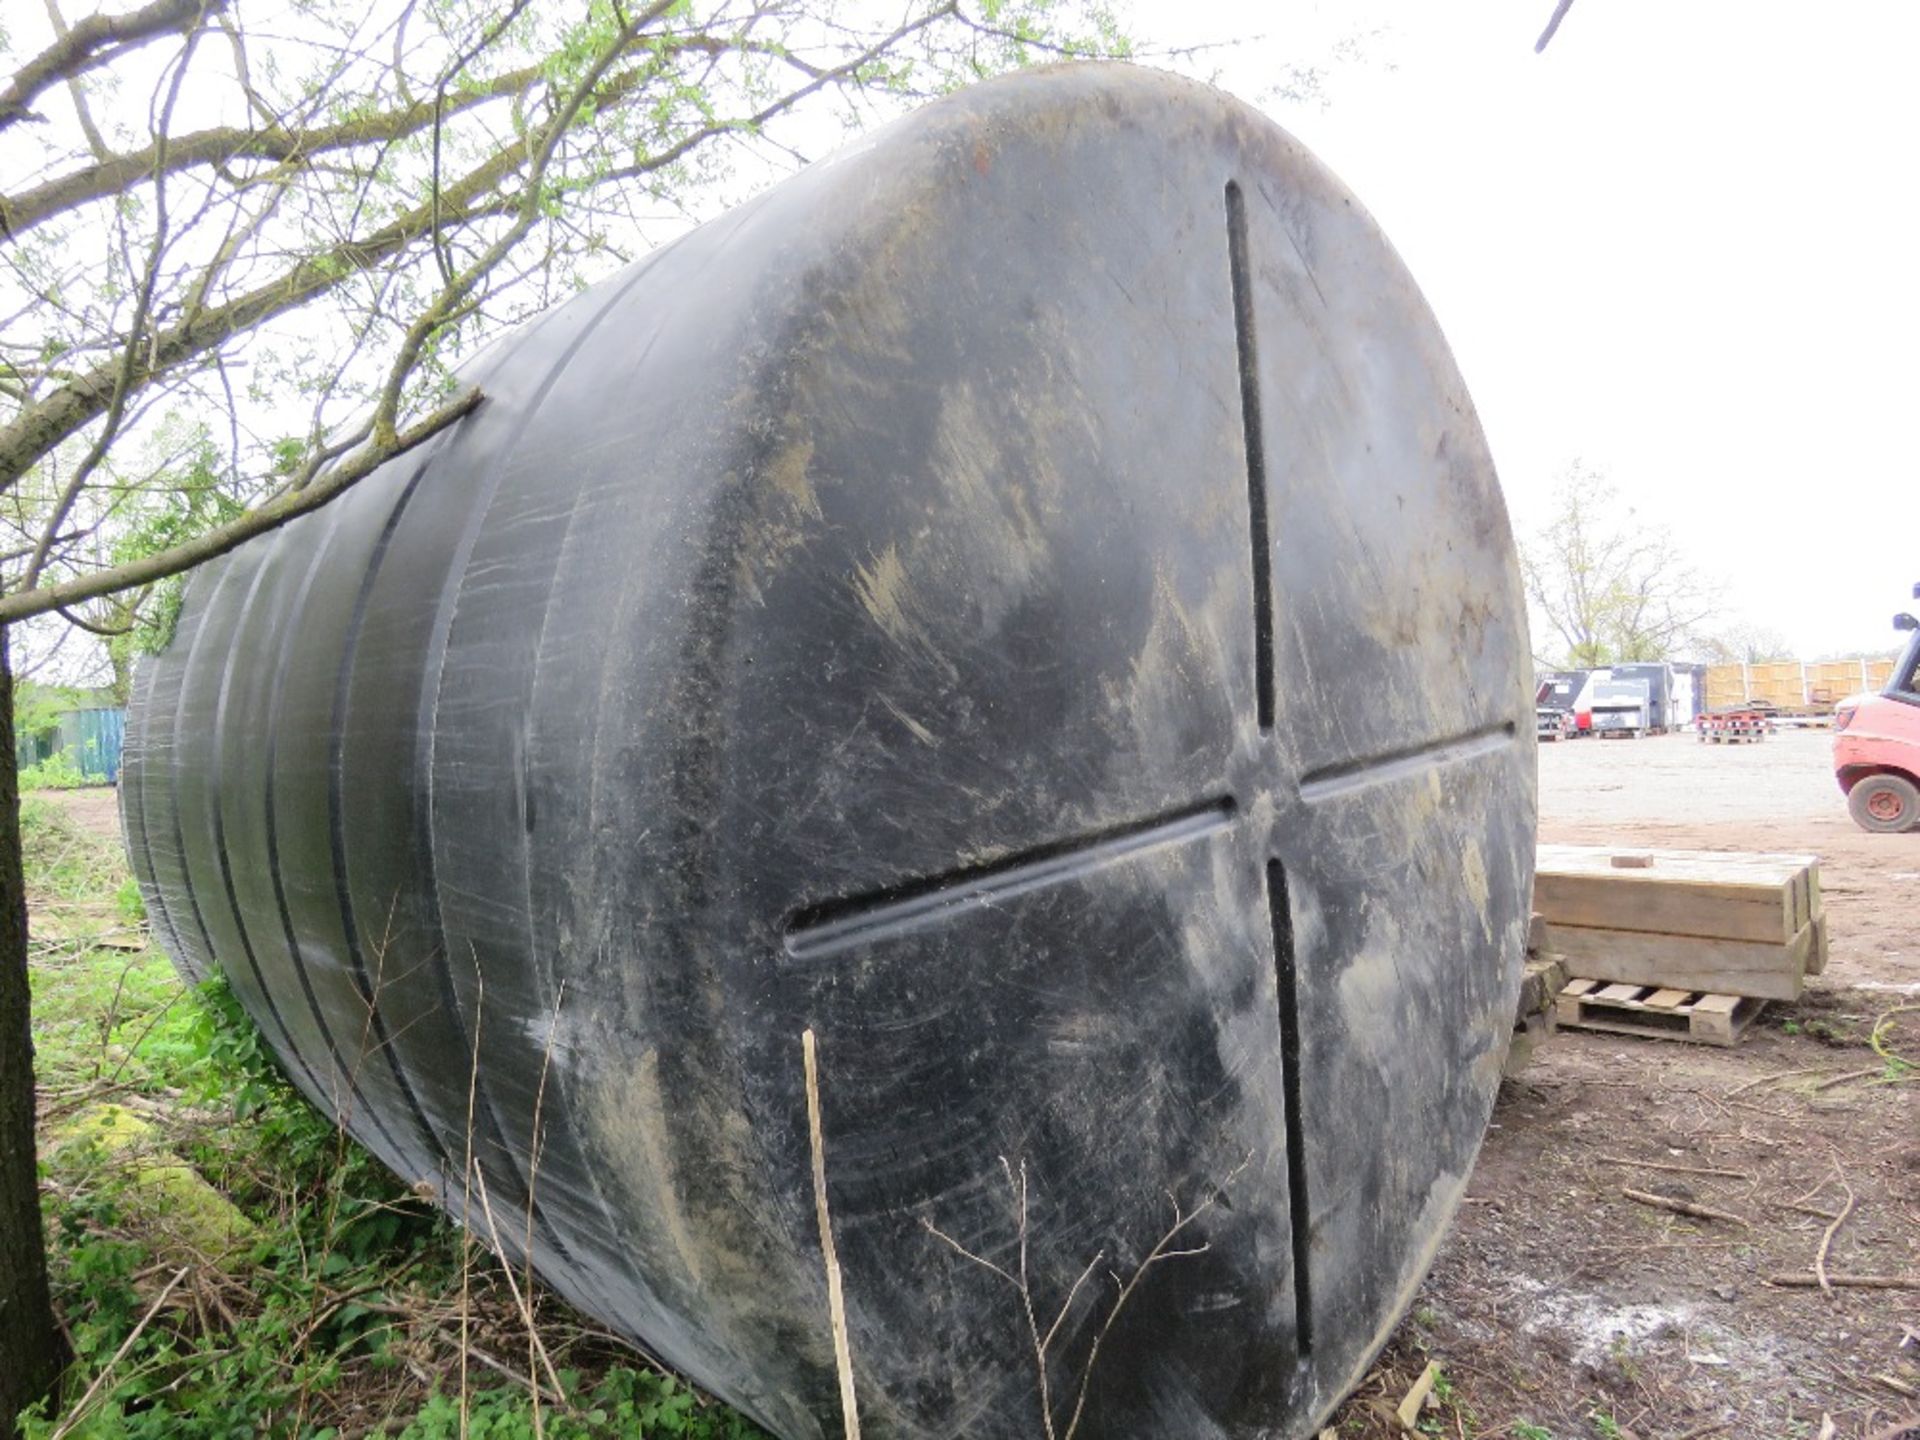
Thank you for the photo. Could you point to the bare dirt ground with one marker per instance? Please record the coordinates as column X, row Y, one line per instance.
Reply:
column 96, row 808
column 1560, row 1308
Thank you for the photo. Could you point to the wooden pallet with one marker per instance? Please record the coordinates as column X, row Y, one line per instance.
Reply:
column 1659, row 1014
column 1735, row 727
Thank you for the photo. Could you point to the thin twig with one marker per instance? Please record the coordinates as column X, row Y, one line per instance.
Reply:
column 1674, row 1169
column 1826, row 1240
column 1161, row 1251
column 1800, row 1281
column 1813, row 1210
column 1681, row 1207
column 1019, row 1188
column 1769, row 1079
column 961, row 1250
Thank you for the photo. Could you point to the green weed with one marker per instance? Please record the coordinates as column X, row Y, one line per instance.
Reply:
column 625, row 1402
column 56, row 772
column 341, row 1304
column 1458, row 1418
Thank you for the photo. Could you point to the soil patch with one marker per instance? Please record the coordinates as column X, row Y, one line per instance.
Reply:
column 1560, row 1307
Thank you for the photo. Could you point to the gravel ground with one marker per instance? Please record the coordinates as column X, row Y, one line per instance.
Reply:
column 1677, row 779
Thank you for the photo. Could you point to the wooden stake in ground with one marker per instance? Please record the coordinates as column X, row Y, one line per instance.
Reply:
column 836, row 1298
column 1409, row 1411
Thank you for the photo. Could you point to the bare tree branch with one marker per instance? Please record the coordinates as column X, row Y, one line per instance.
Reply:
column 224, row 145
column 116, row 408
column 93, row 42
column 162, row 329
column 222, row 538
column 1553, row 25
column 78, row 95
column 64, row 411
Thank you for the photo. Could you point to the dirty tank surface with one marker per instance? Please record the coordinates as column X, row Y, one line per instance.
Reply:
column 1027, row 599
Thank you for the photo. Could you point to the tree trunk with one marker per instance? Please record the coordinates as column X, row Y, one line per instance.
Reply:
column 31, row 1352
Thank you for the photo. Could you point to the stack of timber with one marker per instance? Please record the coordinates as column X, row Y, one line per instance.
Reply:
column 1794, row 684
column 1686, row 944
column 1540, row 986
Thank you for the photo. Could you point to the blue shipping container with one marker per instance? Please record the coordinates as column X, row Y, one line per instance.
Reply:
column 90, row 738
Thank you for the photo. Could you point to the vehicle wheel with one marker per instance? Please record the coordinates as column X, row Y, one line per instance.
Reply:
column 1885, row 804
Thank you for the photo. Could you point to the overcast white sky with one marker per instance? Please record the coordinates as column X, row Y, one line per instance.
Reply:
column 1683, row 245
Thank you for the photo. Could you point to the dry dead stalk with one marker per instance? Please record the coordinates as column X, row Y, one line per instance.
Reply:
column 466, row 1205
column 836, row 1296
column 1162, row 1250
column 514, row 1288
column 533, row 1181
column 79, row 1410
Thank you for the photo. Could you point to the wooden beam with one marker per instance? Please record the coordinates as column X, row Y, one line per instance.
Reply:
column 1685, row 962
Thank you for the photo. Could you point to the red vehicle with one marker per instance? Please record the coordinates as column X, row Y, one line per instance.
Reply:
column 1876, row 744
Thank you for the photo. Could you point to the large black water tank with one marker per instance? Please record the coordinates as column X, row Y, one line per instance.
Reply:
column 1026, row 598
